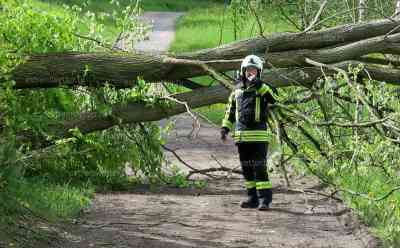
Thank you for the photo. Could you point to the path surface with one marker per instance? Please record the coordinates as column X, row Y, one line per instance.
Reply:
column 210, row 217
column 163, row 31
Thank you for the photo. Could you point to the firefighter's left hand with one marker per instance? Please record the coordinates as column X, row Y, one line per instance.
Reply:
column 224, row 133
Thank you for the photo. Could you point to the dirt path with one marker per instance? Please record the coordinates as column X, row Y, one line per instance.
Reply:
column 210, row 217
column 163, row 31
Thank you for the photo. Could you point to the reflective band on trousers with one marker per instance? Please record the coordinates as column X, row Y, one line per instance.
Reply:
column 250, row 184
column 264, row 185
column 251, row 135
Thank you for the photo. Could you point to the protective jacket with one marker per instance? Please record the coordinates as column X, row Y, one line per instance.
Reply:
column 248, row 109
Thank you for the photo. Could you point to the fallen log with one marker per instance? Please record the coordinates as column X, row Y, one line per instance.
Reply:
column 123, row 69
column 134, row 112
column 131, row 112
column 279, row 42
column 380, row 44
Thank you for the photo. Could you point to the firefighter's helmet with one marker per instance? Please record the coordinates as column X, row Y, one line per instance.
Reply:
column 252, row 61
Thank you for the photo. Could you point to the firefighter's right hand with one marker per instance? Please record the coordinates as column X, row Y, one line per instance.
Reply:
column 224, row 133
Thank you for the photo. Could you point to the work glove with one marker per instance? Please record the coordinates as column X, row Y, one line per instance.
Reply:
column 224, row 133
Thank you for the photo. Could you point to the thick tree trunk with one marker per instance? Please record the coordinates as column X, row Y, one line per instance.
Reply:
column 285, row 50
column 128, row 113
column 306, row 76
column 94, row 69
column 387, row 44
column 278, row 42
column 123, row 69
column 138, row 112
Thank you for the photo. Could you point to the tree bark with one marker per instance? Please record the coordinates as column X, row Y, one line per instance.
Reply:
column 386, row 44
column 140, row 112
column 285, row 41
column 132, row 112
column 286, row 50
column 95, row 69
column 123, row 69
column 306, row 76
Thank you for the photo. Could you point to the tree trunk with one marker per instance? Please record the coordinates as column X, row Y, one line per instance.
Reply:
column 139, row 112
column 278, row 42
column 286, row 50
column 127, row 113
column 123, row 69
column 387, row 44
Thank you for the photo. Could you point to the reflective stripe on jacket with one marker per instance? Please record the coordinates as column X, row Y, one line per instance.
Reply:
column 248, row 109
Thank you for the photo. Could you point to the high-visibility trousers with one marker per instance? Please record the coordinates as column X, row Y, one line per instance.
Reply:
column 253, row 159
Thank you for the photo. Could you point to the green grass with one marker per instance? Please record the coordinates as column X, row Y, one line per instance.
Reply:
column 382, row 216
column 214, row 113
column 146, row 5
column 54, row 201
column 177, row 5
column 25, row 200
column 201, row 28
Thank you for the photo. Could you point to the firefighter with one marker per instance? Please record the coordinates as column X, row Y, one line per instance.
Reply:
column 248, row 108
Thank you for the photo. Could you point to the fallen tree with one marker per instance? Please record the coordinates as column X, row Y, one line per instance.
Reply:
column 132, row 113
column 347, row 42
column 135, row 112
column 286, row 54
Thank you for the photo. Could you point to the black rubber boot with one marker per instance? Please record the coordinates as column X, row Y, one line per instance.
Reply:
column 252, row 201
column 265, row 199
